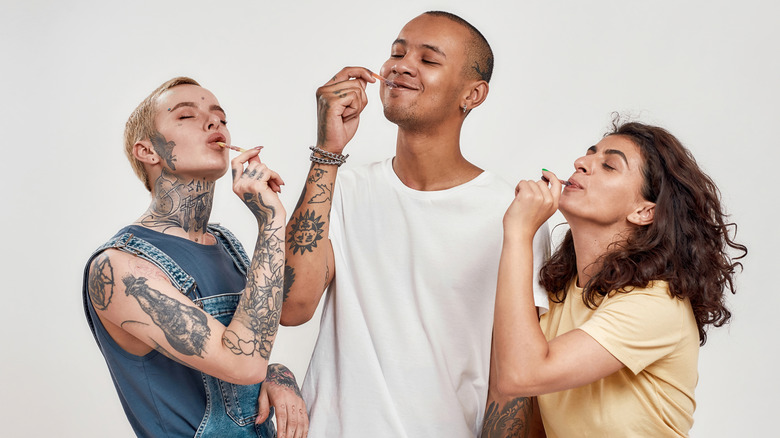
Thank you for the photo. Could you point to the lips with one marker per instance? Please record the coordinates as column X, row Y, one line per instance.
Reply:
column 216, row 137
column 574, row 184
column 400, row 83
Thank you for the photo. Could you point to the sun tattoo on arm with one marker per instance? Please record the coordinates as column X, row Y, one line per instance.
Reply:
column 305, row 231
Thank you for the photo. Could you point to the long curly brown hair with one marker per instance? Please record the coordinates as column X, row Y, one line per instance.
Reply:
column 687, row 244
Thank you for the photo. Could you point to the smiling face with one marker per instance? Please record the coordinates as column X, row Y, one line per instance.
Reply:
column 427, row 62
column 189, row 122
column 606, row 187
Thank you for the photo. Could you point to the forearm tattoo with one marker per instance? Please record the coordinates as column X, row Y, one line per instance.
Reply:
column 511, row 420
column 101, row 282
column 185, row 327
column 179, row 203
column 282, row 376
column 305, row 231
column 261, row 305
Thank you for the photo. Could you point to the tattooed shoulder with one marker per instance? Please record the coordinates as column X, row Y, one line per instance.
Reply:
column 100, row 283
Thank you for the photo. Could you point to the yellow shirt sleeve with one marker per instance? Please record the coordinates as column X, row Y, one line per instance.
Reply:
column 638, row 327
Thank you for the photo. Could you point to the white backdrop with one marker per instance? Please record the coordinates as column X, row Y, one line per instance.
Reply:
column 73, row 71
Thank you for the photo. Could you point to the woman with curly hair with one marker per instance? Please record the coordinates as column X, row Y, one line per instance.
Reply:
column 639, row 276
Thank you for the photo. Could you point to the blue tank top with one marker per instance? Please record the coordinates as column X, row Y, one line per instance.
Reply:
column 162, row 398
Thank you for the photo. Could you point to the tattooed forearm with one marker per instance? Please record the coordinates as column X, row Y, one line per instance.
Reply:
column 282, row 376
column 305, row 231
column 323, row 195
column 101, row 282
column 185, row 327
column 263, row 212
column 164, row 149
column 261, row 305
column 511, row 420
column 179, row 203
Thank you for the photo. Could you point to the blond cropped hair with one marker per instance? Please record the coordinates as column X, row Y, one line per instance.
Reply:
column 140, row 125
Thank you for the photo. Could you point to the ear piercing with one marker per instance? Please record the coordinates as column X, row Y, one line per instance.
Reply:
column 464, row 107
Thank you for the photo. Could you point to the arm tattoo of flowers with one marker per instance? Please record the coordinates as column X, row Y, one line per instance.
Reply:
column 261, row 305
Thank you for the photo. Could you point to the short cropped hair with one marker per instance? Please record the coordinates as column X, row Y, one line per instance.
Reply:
column 479, row 55
column 140, row 125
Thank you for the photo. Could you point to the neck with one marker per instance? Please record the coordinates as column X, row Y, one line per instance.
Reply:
column 432, row 161
column 591, row 242
column 179, row 206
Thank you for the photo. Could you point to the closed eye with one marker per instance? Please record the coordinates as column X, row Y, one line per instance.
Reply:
column 607, row 166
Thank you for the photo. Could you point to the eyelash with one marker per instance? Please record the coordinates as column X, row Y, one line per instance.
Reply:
column 608, row 167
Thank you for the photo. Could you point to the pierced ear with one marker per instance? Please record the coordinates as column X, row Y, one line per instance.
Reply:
column 144, row 152
column 477, row 94
column 643, row 215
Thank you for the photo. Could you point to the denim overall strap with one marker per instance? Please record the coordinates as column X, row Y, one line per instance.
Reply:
column 145, row 250
column 232, row 245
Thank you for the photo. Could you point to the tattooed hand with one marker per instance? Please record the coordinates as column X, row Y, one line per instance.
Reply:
column 339, row 104
column 280, row 390
column 257, row 186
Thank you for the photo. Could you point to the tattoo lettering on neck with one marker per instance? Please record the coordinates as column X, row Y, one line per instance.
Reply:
column 282, row 376
column 305, row 231
column 164, row 149
column 101, row 282
column 511, row 420
column 185, row 327
column 179, row 203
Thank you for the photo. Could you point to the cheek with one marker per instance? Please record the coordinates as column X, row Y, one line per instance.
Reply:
column 385, row 69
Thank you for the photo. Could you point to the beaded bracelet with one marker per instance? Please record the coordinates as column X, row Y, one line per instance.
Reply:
column 327, row 157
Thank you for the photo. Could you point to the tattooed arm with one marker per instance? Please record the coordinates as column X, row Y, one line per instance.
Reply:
column 309, row 260
column 142, row 311
column 509, row 416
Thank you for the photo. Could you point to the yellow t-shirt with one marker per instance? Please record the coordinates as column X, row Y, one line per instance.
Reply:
column 656, row 338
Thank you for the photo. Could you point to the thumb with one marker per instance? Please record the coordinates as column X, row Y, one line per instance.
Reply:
column 264, row 407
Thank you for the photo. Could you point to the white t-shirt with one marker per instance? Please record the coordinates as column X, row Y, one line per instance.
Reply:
column 404, row 343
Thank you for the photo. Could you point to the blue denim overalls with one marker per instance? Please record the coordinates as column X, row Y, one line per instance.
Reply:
column 231, row 409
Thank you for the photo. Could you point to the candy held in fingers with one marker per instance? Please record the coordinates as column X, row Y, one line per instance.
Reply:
column 236, row 148
column 387, row 82
column 544, row 178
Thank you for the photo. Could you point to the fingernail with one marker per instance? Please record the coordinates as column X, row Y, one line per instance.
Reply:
column 544, row 170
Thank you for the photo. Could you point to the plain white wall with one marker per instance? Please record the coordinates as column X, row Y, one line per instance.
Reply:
column 73, row 71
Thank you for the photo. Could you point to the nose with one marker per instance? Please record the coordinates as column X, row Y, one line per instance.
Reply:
column 582, row 164
column 213, row 122
column 403, row 66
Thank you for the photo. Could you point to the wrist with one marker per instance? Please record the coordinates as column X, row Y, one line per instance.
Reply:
column 322, row 156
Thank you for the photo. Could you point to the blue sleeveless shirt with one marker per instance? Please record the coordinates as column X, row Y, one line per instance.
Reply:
column 161, row 397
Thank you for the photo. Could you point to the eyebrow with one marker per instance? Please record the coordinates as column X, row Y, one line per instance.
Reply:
column 612, row 152
column 425, row 46
column 194, row 105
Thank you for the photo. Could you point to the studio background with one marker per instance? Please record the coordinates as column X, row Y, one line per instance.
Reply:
column 73, row 71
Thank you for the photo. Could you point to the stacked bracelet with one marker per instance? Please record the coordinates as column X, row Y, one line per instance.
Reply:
column 326, row 157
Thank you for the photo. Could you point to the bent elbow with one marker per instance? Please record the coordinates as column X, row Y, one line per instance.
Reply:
column 515, row 385
column 294, row 314
column 250, row 377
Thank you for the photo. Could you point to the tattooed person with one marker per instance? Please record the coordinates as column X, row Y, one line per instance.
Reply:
column 183, row 317
column 408, row 248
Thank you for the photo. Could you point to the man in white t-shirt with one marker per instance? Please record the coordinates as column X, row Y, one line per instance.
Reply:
column 408, row 248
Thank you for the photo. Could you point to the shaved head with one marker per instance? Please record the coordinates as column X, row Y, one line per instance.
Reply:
column 479, row 55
